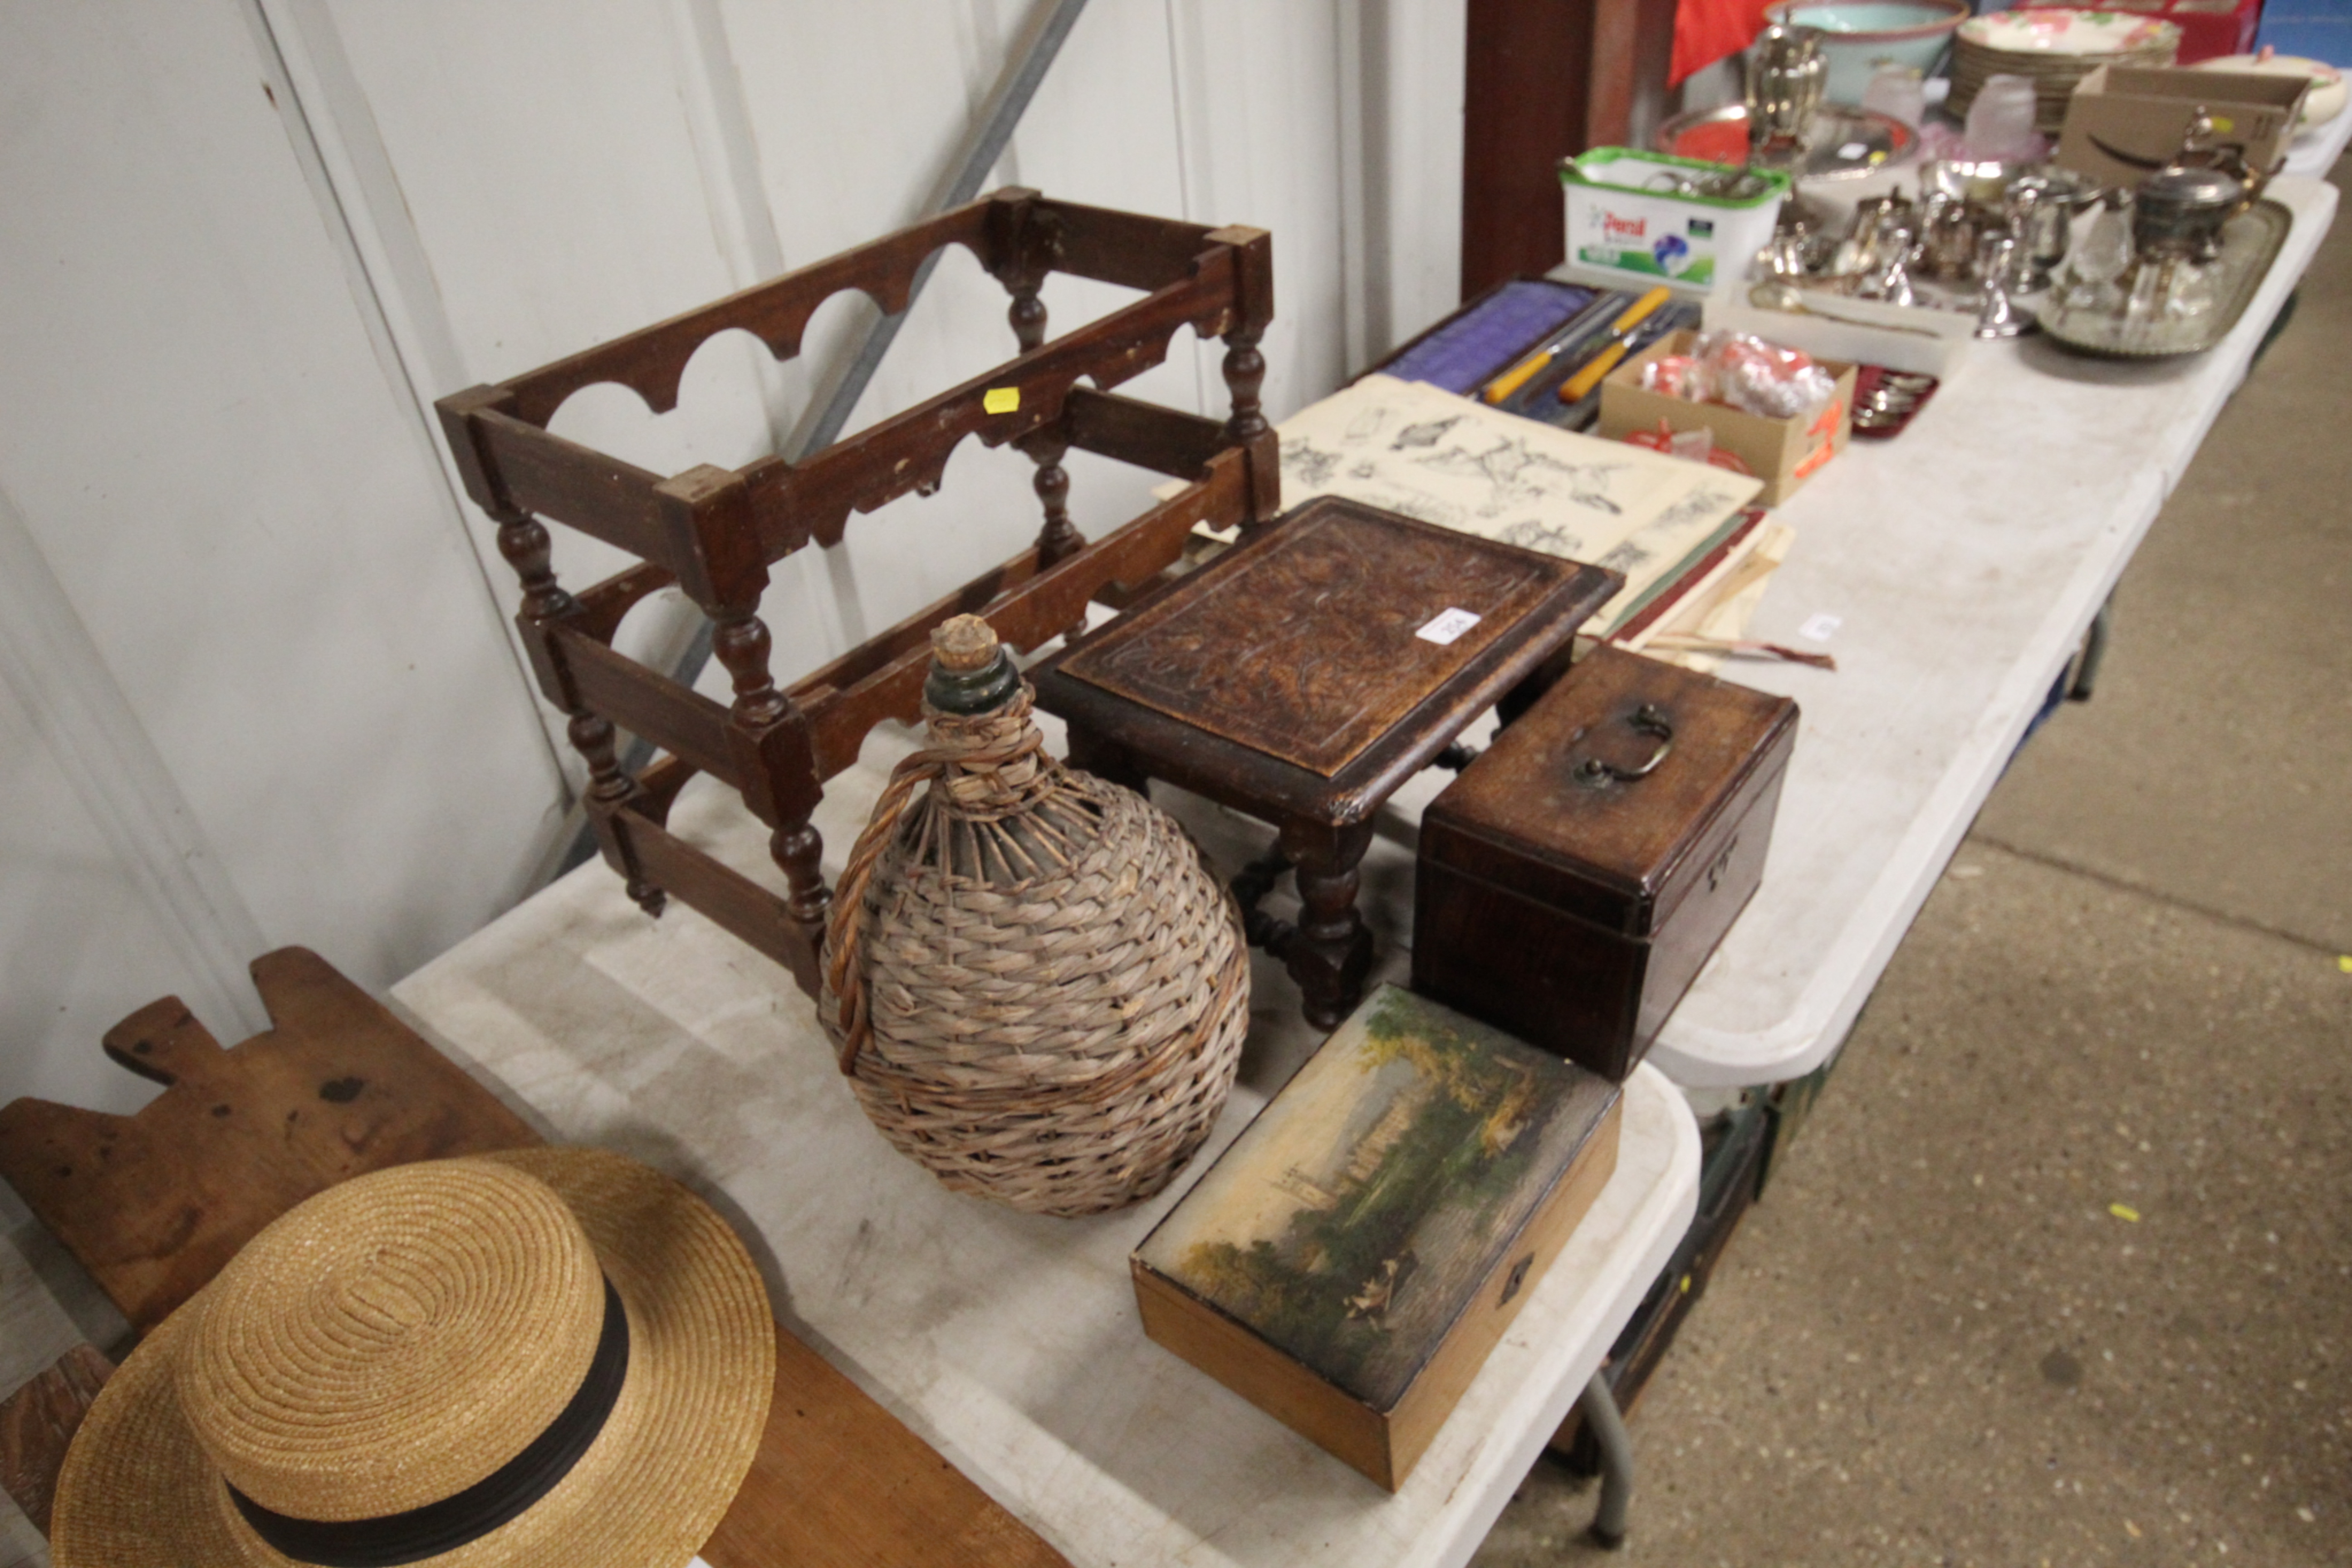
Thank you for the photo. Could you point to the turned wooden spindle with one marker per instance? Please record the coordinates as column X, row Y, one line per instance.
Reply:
column 1245, row 374
column 522, row 539
column 1059, row 538
column 740, row 639
column 1027, row 314
column 799, row 850
column 1331, row 951
column 609, row 786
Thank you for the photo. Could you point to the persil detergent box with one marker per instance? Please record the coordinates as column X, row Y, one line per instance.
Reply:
column 1624, row 213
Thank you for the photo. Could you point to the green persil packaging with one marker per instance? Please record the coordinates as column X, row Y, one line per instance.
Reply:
column 1637, row 213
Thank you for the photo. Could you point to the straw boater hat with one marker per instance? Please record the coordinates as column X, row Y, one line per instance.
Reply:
column 546, row 1356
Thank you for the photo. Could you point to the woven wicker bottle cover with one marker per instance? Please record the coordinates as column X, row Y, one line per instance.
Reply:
column 1037, row 990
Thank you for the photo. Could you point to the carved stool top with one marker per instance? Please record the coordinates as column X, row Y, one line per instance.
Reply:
column 1318, row 664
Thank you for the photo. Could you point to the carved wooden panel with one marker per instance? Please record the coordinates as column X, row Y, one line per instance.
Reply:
column 1312, row 642
column 152, row 1204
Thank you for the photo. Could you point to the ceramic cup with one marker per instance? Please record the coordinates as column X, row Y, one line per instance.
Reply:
column 2000, row 120
column 1896, row 91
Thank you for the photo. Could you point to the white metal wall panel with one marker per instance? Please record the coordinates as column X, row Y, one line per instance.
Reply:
column 226, row 318
column 857, row 112
column 1258, row 111
column 71, row 926
column 205, row 449
column 543, row 155
column 1413, row 67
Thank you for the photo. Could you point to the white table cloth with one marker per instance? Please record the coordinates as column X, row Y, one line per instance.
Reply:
column 1011, row 1342
column 1952, row 571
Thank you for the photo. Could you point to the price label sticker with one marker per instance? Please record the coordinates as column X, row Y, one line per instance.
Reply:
column 1821, row 627
column 1001, row 400
column 1445, row 627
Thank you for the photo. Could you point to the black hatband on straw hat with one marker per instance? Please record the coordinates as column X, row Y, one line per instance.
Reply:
column 467, row 1516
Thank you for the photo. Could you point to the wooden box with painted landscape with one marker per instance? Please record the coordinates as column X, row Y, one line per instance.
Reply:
column 1349, row 1263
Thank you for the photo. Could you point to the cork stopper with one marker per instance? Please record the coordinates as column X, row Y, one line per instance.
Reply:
column 971, row 672
column 963, row 644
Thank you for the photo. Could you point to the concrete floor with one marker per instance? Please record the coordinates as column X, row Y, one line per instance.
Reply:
column 1937, row 1340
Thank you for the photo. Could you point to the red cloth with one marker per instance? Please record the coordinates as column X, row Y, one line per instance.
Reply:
column 2206, row 34
column 1706, row 30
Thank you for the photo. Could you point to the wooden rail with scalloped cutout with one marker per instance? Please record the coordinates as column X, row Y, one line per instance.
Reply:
column 716, row 532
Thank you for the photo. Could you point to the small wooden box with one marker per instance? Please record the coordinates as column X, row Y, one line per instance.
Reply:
column 2125, row 120
column 1575, row 878
column 1347, row 1264
column 1783, row 452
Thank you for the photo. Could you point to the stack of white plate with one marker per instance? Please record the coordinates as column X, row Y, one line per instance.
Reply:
column 2053, row 49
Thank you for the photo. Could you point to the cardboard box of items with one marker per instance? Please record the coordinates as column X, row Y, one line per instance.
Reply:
column 2125, row 123
column 1783, row 452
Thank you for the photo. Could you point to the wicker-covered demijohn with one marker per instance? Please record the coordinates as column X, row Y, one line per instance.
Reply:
column 1037, row 988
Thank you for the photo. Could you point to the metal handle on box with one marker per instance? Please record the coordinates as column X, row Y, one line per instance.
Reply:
column 1649, row 719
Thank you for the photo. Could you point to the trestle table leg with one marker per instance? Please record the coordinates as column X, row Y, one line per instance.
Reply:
column 1598, row 1407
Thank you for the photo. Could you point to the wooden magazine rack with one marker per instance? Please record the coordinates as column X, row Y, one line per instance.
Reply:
column 716, row 532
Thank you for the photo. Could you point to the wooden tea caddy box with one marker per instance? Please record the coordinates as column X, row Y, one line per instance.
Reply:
column 1348, row 1264
column 1573, row 880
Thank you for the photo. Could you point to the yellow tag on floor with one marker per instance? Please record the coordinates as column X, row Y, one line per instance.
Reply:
column 1000, row 399
column 2124, row 1211
column 2343, row 961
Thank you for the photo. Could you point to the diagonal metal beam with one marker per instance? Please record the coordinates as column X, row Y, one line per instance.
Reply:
column 1049, row 24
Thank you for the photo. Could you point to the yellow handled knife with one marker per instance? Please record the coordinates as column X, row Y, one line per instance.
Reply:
column 1519, row 375
column 1621, row 329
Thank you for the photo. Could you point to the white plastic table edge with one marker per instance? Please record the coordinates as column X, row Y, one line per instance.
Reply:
column 1540, row 1399
column 1701, row 1058
column 1540, row 1404
column 1543, row 1362
column 2314, row 152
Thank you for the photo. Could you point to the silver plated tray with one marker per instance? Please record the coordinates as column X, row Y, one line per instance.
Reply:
column 2250, row 243
column 1841, row 141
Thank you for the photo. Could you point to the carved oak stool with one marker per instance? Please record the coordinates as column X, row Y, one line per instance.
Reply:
column 1304, row 674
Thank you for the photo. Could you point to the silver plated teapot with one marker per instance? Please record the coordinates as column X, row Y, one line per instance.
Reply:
column 1787, row 73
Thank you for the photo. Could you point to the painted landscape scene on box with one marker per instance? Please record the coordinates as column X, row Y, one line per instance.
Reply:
column 1354, row 1217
